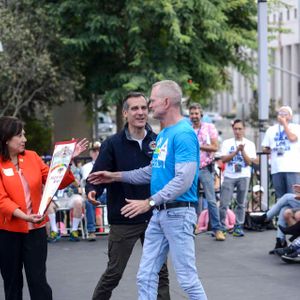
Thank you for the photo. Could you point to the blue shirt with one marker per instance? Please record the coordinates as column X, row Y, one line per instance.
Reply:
column 175, row 144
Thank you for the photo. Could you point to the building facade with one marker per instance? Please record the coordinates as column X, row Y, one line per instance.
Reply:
column 284, row 67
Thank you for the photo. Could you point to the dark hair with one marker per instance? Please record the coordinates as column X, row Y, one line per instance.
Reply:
column 9, row 127
column 196, row 105
column 131, row 95
column 238, row 121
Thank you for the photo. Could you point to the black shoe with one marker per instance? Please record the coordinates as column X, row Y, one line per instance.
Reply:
column 279, row 244
column 293, row 258
column 285, row 251
column 293, row 230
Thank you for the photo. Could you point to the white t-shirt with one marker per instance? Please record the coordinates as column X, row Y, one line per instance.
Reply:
column 86, row 169
column 237, row 167
column 285, row 155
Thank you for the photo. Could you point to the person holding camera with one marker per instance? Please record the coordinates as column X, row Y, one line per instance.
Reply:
column 207, row 135
column 237, row 153
column 282, row 142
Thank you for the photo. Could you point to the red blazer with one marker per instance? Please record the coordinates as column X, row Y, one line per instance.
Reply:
column 12, row 193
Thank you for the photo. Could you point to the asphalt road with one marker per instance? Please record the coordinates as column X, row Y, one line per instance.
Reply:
column 237, row 269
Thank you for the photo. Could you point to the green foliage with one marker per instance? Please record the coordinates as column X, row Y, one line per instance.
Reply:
column 128, row 45
column 32, row 79
column 39, row 135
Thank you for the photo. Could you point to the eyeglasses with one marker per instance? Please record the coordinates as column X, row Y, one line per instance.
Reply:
column 282, row 113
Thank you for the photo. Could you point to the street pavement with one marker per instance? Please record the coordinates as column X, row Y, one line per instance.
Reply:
column 237, row 269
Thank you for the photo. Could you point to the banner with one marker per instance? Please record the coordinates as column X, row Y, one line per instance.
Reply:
column 61, row 158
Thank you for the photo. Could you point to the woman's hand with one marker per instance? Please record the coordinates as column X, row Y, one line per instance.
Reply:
column 34, row 218
column 80, row 147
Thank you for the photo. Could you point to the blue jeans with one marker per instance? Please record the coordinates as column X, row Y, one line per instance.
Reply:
column 283, row 182
column 227, row 189
column 207, row 180
column 286, row 201
column 90, row 216
column 170, row 230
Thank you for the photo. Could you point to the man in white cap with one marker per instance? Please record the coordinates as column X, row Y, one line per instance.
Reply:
column 282, row 141
column 256, row 203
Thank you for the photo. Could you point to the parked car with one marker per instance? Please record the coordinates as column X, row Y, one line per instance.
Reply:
column 212, row 116
column 106, row 126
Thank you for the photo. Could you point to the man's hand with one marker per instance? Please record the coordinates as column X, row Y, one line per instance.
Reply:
column 92, row 198
column 135, row 207
column 103, row 177
column 240, row 147
column 282, row 120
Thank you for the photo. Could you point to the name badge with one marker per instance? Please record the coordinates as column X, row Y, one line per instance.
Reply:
column 8, row 172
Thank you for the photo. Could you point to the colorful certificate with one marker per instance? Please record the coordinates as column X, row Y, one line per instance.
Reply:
column 61, row 158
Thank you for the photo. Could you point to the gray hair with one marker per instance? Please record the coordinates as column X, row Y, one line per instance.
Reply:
column 170, row 89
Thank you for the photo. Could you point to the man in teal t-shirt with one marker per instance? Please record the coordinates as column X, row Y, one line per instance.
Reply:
column 174, row 145
column 173, row 174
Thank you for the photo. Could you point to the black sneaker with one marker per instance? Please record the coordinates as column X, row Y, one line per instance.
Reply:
column 292, row 258
column 279, row 244
column 285, row 251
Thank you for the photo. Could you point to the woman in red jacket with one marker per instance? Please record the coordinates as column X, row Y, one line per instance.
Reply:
column 23, row 240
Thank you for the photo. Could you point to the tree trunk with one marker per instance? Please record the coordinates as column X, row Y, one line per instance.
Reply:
column 119, row 117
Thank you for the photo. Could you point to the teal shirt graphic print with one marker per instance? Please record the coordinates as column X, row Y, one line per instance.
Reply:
column 175, row 144
column 160, row 154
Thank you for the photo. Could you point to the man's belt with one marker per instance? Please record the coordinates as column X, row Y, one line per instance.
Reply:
column 176, row 204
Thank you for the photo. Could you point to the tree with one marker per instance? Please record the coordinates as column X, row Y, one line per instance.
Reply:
column 30, row 80
column 128, row 45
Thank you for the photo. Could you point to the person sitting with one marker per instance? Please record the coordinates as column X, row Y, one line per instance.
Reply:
column 292, row 218
column 69, row 198
column 256, row 204
column 90, row 209
column 254, row 208
column 290, row 254
column 203, row 221
column 278, row 209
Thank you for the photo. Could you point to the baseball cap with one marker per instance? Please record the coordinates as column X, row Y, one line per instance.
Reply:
column 287, row 108
column 258, row 188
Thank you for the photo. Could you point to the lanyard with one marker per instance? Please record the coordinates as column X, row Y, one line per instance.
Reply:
column 281, row 133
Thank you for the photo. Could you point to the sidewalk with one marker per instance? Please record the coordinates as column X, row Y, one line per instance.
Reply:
column 237, row 269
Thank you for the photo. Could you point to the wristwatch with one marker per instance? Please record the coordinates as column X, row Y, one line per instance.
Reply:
column 151, row 202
